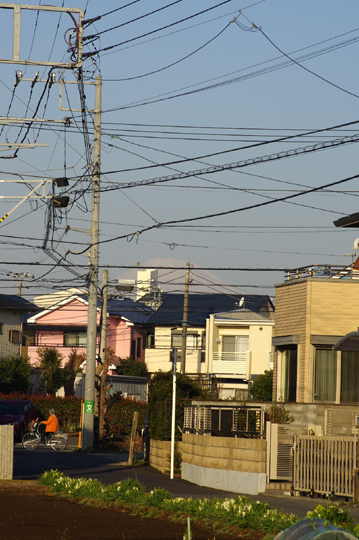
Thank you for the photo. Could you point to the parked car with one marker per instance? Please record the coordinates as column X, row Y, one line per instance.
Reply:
column 19, row 412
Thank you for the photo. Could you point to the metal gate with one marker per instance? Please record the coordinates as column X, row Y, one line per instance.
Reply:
column 325, row 464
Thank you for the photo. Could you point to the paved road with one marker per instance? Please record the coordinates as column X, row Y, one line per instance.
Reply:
column 110, row 468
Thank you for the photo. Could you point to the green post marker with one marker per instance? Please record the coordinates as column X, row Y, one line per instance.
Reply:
column 89, row 407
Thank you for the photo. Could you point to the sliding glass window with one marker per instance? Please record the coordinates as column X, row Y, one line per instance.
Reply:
column 325, row 375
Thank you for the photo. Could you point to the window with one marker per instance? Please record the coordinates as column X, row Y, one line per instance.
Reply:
column 334, row 373
column 150, row 341
column 14, row 336
column 349, row 377
column 75, row 339
column 191, row 341
column 289, row 374
column 235, row 344
column 325, row 382
column 133, row 348
column 138, row 348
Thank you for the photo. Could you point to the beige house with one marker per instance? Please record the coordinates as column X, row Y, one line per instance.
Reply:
column 315, row 307
column 227, row 337
column 239, row 347
column 12, row 310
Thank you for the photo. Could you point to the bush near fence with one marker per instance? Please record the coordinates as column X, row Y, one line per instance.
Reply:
column 68, row 410
column 118, row 420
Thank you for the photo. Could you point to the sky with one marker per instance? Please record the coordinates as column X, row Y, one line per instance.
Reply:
column 211, row 112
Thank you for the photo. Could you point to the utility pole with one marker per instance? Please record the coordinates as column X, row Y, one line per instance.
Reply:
column 89, row 411
column 103, row 315
column 173, row 422
column 185, row 322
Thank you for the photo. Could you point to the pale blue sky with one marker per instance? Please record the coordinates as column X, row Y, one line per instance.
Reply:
column 256, row 102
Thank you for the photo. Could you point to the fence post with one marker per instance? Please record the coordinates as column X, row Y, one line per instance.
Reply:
column 6, row 452
column 133, row 437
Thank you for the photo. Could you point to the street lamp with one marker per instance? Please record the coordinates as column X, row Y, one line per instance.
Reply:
column 351, row 221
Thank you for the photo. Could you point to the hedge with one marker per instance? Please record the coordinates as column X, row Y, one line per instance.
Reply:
column 118, row 419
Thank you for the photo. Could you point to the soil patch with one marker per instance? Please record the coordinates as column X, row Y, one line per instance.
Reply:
column 28, row 510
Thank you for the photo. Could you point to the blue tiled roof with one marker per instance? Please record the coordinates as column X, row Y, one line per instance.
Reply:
column 200, row 306
column 133, row 311
column 16, row 303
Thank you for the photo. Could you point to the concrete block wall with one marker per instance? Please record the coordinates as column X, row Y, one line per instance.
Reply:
column 159, row 451
column 230, row 464
column 6, row 452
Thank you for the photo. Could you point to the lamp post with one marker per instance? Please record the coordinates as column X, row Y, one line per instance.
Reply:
column 348, row 222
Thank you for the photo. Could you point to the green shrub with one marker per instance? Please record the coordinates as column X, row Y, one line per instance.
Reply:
column 14, row 373
column 262, row 387
column 160, row 398
column 49, row 363
column 132, row 367
column 118, row 420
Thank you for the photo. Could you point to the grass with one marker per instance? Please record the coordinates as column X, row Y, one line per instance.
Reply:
column 224, row 515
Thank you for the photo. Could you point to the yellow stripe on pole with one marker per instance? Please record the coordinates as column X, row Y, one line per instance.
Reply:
column 2, row 219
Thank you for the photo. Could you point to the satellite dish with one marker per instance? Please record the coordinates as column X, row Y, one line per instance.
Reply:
column 356, row 244
column 241, row 302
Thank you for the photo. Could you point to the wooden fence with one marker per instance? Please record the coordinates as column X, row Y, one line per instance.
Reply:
column 325, row 464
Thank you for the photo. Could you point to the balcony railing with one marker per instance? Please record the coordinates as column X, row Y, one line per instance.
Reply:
column 323, row 271
column 232, row 363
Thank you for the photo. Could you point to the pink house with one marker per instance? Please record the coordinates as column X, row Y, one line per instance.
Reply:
column 64, row 326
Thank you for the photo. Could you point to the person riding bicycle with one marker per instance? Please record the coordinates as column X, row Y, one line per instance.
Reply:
column 52, row 425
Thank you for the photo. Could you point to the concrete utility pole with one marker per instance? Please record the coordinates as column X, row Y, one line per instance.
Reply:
column 173, row 422
column 89, row 410
column 185, row 322
column 104, row 315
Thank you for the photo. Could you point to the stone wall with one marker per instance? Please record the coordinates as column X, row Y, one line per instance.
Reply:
column 159, row 451
column 6, row 452
column 230, row 464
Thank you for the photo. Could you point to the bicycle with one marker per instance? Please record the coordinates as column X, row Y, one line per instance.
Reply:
column 32, row 439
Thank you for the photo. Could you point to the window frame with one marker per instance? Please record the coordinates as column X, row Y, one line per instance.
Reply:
column 77, row 334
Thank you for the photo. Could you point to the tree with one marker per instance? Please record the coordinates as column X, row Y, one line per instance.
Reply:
column 130, row 366
column 14, row 374
column 160, row 399
column 71, row 369
column 103, row 404
column 49, row 363
column 262, row 387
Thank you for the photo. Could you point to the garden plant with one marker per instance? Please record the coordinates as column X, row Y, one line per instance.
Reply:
column 223, row 515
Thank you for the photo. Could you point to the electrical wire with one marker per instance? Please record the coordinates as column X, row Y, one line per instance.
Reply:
column 297, row 63
column 131, row 21
column 87, row 55
column 173, row 63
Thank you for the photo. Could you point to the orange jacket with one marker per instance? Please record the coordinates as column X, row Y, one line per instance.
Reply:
column 52, row 424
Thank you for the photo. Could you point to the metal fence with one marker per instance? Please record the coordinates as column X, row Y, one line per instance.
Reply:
column 325, row 464
column 224, row 420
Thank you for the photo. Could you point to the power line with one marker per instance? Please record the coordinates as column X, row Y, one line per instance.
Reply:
column 297, row 63
column 87, row 55
column 131, row 21
column 173, row 63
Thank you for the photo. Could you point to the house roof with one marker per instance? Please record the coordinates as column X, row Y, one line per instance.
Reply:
column 200, row 306
column 244, row 315
column 11, row 302
column 135, row 312
column 116, row 307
